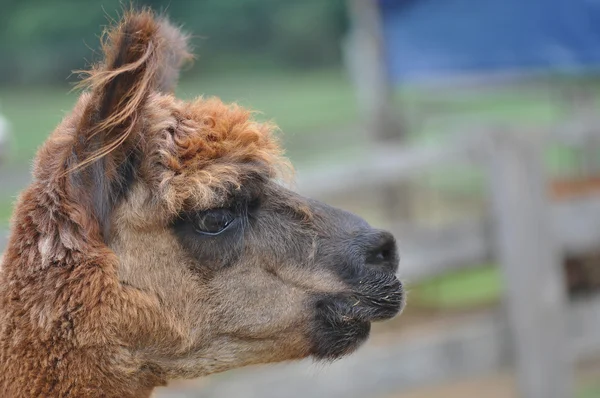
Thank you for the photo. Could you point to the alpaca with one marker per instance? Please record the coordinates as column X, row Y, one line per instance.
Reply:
column 158, row 241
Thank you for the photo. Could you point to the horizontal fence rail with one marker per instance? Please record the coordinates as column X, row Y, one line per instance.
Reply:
column 427, row 252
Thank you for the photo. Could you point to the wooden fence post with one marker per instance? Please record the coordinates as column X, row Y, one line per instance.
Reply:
column 530, row 260
column 366, row 61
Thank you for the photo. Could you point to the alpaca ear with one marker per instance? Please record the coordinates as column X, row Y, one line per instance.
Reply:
column 142, row 54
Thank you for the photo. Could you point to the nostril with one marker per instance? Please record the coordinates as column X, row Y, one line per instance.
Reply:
column 383, row 251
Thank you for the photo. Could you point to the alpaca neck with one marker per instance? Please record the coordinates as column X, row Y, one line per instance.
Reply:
column 53, row 368
column 56, row 337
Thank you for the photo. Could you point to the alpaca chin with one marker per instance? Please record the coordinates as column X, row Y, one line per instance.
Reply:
column 336, row 331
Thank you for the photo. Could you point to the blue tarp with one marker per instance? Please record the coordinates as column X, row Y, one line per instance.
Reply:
column 433, row 38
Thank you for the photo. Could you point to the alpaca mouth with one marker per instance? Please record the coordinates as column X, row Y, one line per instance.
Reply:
column 379, row 299
column 343, row 322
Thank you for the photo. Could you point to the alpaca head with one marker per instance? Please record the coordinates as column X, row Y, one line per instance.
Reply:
column 221, row 264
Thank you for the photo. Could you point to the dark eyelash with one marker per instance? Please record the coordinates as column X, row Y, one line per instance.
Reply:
column 215, row 221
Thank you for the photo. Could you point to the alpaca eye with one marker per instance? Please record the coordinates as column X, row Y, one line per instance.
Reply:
column 213, row 222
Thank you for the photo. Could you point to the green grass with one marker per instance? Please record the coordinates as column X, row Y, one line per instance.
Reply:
column 297, row 103
column 5, row 210
column 459, row 289
column 300, row 103
column 591, row 391
column 33, row 114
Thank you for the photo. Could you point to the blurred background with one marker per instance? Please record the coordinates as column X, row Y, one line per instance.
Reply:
column 468, row 127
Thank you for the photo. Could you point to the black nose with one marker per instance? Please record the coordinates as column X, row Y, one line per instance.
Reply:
column 383, row 251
